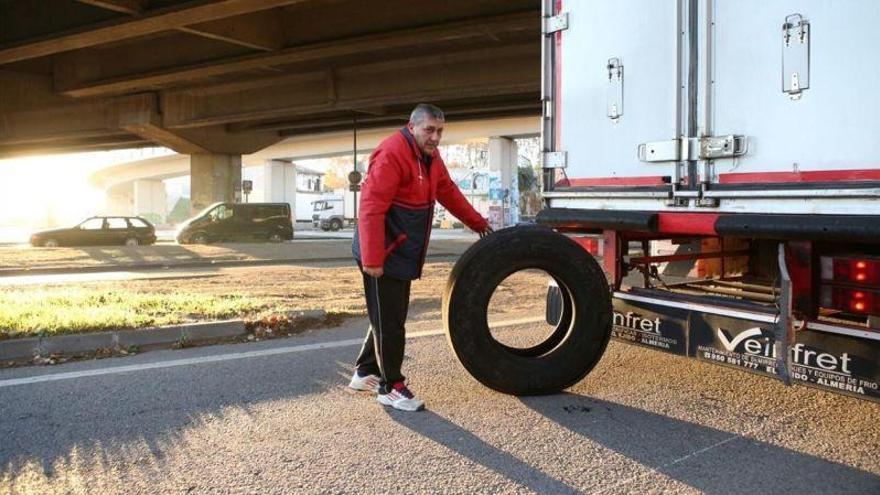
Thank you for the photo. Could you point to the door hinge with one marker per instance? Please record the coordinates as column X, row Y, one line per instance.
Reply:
column 795, row 56
column 693, row 149
column 556, row 23
column 614, row 94
column 555, row 159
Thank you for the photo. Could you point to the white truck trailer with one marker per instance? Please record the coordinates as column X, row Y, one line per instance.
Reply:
column 334, row 211
column 723, row 125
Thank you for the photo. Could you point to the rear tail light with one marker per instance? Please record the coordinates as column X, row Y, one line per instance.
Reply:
column 851, row 284
column 592, row 245
column 858, row 301
column 859, row 271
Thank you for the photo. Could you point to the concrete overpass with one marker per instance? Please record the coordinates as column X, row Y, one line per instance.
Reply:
column 135, row 187
column 219, row 79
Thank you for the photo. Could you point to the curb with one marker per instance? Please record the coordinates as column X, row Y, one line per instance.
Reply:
column 28, row 348
column 14, row 272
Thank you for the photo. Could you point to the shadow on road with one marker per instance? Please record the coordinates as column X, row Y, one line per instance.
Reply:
column 687, row 451
column 472, row 447
column 94, row 423
column 62, row 424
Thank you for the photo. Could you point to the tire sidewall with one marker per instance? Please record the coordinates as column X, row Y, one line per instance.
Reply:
column 475, row 278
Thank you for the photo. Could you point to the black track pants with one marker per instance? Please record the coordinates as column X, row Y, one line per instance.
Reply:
column 387, row 305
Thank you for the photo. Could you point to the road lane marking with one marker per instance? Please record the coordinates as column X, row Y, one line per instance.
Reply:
column 179, row 362
column 225, row 357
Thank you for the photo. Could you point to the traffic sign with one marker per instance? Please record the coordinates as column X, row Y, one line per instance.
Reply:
column 354, row 177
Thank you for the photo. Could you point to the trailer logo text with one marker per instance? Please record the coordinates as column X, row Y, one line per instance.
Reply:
column 756, row 344
column 636, row 322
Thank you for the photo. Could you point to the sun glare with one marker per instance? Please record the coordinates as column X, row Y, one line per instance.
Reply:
column 48, row 191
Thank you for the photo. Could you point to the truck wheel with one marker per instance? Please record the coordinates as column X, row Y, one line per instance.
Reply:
column 335, row 224
column 581, row 334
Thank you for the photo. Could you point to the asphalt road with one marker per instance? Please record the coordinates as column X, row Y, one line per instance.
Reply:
column 276, row 417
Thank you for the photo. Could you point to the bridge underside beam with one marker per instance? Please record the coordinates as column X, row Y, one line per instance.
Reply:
column 468, row 81
column 236, row 76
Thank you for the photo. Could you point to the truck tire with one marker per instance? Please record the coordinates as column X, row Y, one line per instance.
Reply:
column 335, row 224
column 584, row 327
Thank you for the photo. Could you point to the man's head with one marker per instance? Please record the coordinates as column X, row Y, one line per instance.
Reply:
column 426, row 125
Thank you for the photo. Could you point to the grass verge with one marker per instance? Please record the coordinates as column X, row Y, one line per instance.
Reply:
column 55, row 311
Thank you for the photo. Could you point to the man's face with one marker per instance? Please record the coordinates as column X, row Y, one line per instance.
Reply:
column 427, row 133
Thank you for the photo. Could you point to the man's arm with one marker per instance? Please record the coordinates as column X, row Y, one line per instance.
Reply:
column 453, row 200
column 383, row 179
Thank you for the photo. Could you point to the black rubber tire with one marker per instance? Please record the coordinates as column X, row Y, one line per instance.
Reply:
column 335, row 224
column 275, row 237
column 199, row 238
column 568, row 355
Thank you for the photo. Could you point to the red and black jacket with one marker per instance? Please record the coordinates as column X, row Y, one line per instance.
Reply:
column 397, row 207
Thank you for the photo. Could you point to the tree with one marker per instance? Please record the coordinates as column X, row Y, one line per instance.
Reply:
column 180, row 212
column 338, row 168
column 333, row 180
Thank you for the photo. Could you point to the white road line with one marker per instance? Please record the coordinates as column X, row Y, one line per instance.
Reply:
column 660, row 470
column 185, row 362
column 224, row 357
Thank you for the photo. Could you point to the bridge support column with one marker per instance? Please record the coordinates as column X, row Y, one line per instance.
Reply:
column 120, row 200
column 214, row 177
column 150, row 199
column 503, row 186
column 280, row 183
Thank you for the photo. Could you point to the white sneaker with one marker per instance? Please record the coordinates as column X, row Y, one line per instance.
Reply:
column 368, row 383
column 401, row 398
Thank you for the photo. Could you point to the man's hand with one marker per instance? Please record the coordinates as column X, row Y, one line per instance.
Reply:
column 488, row 230
column 374, row 271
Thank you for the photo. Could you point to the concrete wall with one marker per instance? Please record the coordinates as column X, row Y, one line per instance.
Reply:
column 503, row 186
column 149, row 198
column 140, row 197
column 214, row 177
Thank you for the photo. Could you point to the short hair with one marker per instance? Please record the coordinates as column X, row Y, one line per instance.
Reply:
column 423, row 110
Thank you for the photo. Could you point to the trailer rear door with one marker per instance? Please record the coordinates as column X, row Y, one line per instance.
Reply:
column 619, row 65
column 828, row 131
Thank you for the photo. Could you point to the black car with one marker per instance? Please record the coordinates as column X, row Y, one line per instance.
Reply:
column 99, row 231
column 238, row 222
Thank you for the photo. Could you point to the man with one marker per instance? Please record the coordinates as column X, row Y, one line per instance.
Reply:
column 406, row 176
